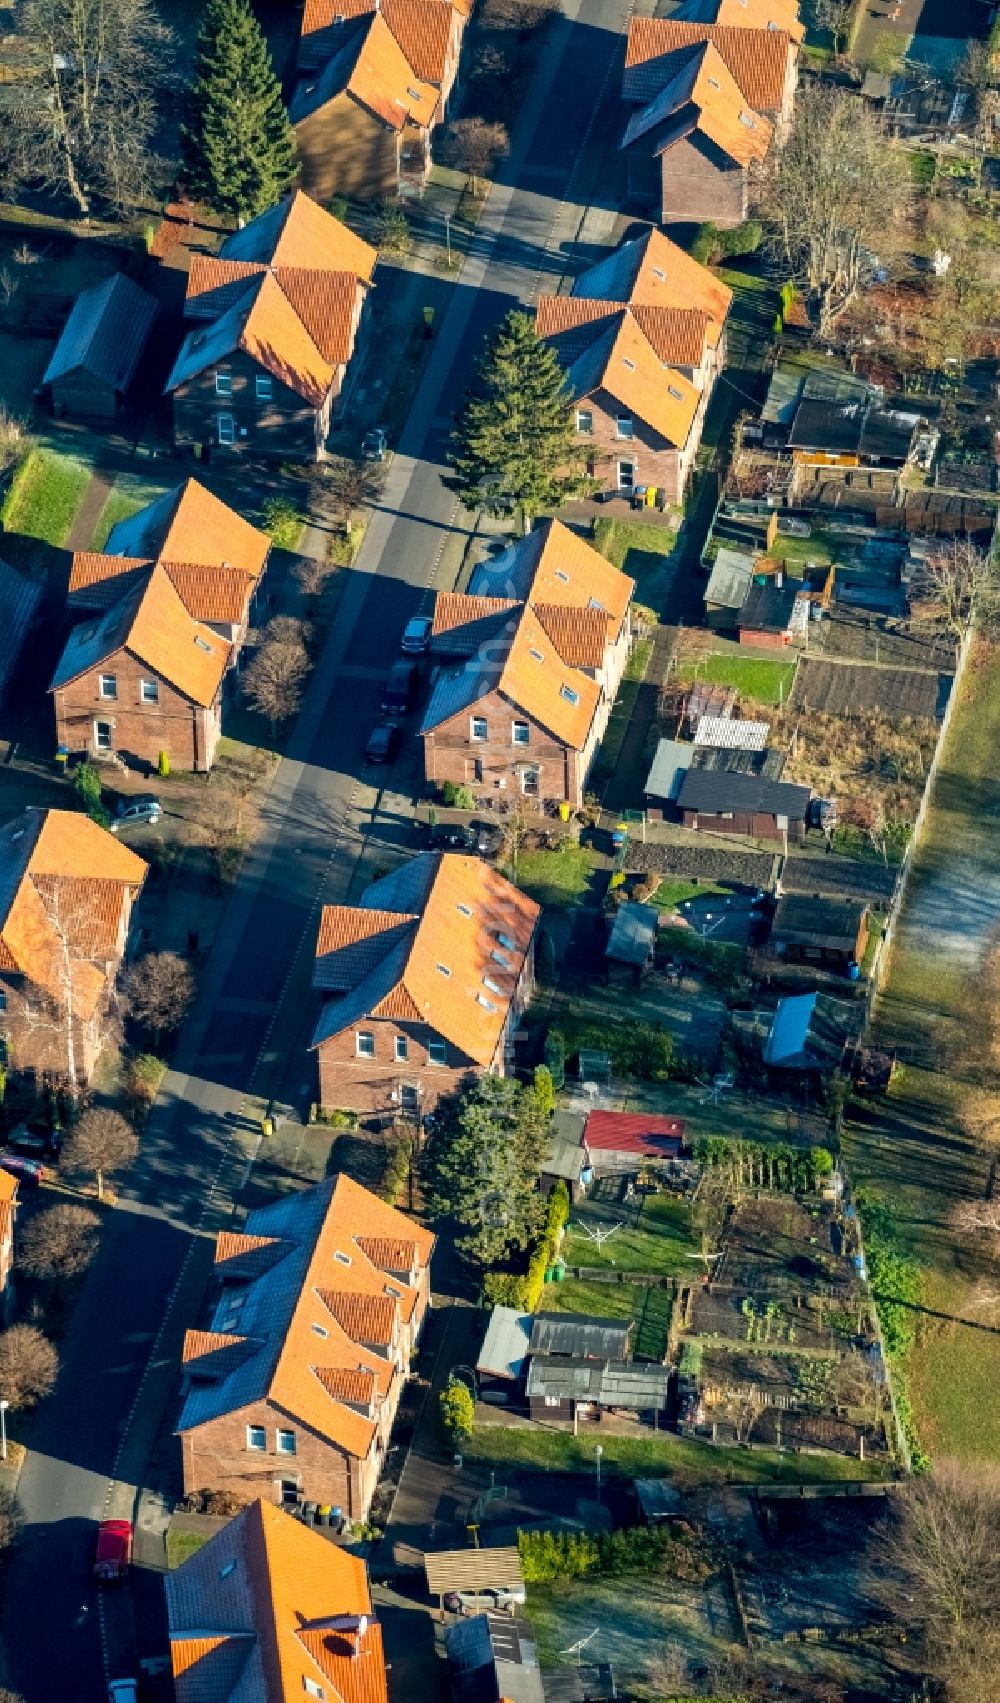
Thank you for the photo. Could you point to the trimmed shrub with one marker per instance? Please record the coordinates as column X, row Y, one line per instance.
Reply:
column 457, row 1411
column 455, row 797
column 555, row 1057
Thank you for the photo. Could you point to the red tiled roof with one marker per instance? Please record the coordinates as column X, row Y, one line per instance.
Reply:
column 757, row 58
column 634, row 1132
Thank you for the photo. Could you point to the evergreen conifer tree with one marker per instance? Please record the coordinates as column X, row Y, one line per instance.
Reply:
column 515, row 444
column 238, row 145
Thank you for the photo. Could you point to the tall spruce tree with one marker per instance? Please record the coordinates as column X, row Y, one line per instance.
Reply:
column 483, row 1165
column 515, row 444
column 238, row 145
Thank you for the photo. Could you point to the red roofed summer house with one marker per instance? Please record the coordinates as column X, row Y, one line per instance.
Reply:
column 280, row 307
column 623, row 1141
column 291, row 1393
column 424, row 984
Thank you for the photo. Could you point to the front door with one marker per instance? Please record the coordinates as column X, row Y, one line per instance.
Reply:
column 103, row 736
column 409, row 1100
column 626, row 476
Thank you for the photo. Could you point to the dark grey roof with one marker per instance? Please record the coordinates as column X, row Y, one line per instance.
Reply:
column 577, row 1334
column 768, row 607
column 852, row 428
column 801, row 919
column 658, row 1499
column 566, row 1159
column 105, row 334
column 633, row 934
column 769, row 763
column 711, row 793
column 592, row 1682
column 19, row 600
column 491, row 1656
column 609, row 1383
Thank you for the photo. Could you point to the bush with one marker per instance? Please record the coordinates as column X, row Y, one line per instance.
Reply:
column 555, row 1057
column 545, row 1090
column 455, row 797
column 503, row 1289
column 88, row 786
column 335, row 1119
column 163, row 765
column 457, row 1411
column 397, row 1171
column 558, row 1214
column 143, row 1075
column 281, row 521
column 550, row 1555
column 689, row 1364
column 712, row 245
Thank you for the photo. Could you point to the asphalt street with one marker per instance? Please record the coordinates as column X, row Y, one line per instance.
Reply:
column 92, row 1442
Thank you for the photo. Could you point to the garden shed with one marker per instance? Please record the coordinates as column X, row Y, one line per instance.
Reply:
column 95, row 361
column 810, row 929
column 632, row 945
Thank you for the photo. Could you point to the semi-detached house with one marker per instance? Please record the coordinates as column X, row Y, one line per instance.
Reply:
column 423, row 985
column 531, row 659
column 292, row 1390
column 642, row 340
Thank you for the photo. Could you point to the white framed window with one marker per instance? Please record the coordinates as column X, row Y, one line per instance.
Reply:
column 102, row 735
column 364, row 1043
column 107, row 685
column 402, row 1049
column 256, row 1438
column 285, row 1441
column 624, row 426
column 223, row 384
column 263, row 387
column 311, row 1687
column 529, row 783
column 626, row 475
column 437, row 1052
column 149, row 691
column 520, row 732
column 225, row 426
column 585, row 422
column 570, row 693
column 478, row 727
column 552, row 1401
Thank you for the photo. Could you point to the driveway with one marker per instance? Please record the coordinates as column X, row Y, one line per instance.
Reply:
column 93, row 1440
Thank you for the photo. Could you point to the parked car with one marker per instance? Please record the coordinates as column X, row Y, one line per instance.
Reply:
column 114, row 1550
column 133, row 811
column 30, row 1172
column 375, row 444
column 123, row 1691
column 416, row 635
column 383, row 742
column 40, row 1143
column 489, row 838
column 485, row 1602
column 453, row 836
column 400, row 688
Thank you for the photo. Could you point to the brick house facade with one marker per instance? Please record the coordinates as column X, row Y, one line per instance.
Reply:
column 424, row 985
column 292, row 1393
column 624, row 452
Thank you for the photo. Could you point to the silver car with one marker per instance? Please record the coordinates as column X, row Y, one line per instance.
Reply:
column 132, row 812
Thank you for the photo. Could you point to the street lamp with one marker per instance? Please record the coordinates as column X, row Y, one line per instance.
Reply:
column 4, row 1405
column 598, row 1452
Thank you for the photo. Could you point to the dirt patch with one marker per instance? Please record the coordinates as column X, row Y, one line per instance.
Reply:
column 743, row 869
column 840, row 688
column 838, row 875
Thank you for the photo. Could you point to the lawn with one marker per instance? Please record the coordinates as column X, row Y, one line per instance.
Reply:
column 677, row 891
column 44, row 496
column 127, row 496
column 930, row 1142
column 181, row 1544
column 657, row 1455
column 643, row 1625
column 645, row 553
column 764, row 681
column 559, row 877
column 658, row 1243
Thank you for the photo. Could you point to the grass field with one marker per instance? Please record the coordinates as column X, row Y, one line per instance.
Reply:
column 657, row 1455
column 658, row 1243
column 128, row 495
column 676, row 891
column 765, row 681
column 641, row 1623
column 642, row 552
column 558, row 877
column 181, row 1544
column 44, row 496
column 931, row 1142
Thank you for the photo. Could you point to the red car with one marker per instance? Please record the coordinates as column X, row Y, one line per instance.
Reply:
column 31, row 1172
column 114, row 1550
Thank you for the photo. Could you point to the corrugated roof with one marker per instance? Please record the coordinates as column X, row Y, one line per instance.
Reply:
column 767, row 608
column 580, row 1336
column 267, row 1606
column 727, row 734
column 642, row 1133
column 106, row 333
column 672, row 760
column 805, row 919
column 435, row 960
column 730, row 579
column 757, row 58
column 471, row 1570
column 711, row 792
column 608, row 1383
column 505, row 1345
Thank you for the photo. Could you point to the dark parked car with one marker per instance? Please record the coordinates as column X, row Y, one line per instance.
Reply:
column 416, row 635
column 383, row 742
column 39, row 1143
column 400, row 688
column 484, row 838
column 30, row 1172
column 489, row 838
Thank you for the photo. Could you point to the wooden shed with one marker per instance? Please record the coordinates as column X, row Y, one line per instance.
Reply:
column 95, row 361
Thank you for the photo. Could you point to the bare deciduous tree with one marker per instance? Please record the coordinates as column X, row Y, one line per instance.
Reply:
column 101, row 1141
column 11, row 1521
column 88, row 109
column 954, row 586
column 60, row 1243
column 834, row 15
column 14, row 440
column 832, row 198
column 945, row 1534
column 274, row 680
column 65, row 1006
column 158, row 989
column 342, row 487
column 474, row 145
column 29, row 1366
